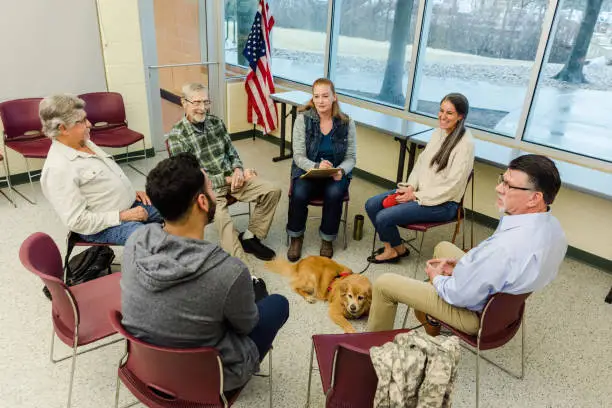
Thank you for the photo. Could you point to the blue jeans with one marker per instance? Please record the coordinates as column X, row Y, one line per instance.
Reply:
column 386, row 220
column 118, row 234
column 303, row 190
column 273, row 313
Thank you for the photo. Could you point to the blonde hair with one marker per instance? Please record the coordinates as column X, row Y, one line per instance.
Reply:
column 336, row 111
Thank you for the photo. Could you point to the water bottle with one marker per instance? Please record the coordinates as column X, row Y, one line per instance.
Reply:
column 358, row 227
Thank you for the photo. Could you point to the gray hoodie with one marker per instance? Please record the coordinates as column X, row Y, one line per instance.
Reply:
column 184, row 292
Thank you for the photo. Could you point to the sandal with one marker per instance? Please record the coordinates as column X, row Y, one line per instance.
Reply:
column 372, row 259
column 382, row 249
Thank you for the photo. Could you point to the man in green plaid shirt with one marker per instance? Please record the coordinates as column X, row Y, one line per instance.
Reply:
column 205, row 136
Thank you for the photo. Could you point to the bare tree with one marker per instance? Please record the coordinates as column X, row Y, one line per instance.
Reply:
column 245, row 14
column 391, row 90
column 572, row 71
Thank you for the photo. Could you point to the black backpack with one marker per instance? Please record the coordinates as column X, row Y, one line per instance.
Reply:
column 90, row 264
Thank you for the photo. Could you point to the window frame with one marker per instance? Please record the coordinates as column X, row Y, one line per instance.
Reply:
column 516, row 141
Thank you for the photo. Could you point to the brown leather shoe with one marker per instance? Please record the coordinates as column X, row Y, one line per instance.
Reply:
column 429, row 328
column 327, row 249
column 295, row 249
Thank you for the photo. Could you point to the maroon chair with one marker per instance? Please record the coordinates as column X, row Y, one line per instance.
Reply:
column 339, row 357
column 423, row 227
column 500, row 320
column 23, row 134
column 164, row 377
column 6, row 179
column 79, row 313
column 318, row 202
column 106, row 112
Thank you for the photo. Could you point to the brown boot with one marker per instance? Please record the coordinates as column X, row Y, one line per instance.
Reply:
column 429, row 328
column 295, row 249
column 327, row 249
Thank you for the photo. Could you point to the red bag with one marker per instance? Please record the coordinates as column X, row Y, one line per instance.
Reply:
column 390, row 200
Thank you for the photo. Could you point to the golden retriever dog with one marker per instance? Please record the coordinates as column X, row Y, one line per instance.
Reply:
column 317, row 277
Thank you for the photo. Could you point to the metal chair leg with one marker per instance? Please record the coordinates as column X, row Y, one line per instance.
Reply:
column 73, row 366
column 478, row 374
column 405, row 318
column 270, row 374
column 310, row 376
column 416, row 266
column 11, row 195
column 523, row 349
column 374, row 241
column 30, row 178
column 345, row 223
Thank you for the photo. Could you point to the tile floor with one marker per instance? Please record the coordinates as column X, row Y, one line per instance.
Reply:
column 569, row 327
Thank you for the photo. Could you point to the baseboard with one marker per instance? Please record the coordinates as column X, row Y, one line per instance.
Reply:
column 482, row 219
column 22, row 178
column 247, row 134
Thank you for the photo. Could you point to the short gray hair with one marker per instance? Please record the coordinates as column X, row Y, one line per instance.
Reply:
column 188, row 89
column 56, row 110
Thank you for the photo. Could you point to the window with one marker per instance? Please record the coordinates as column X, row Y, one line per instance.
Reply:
column 372, row 56
column 570, row 110
column 483, row 49
column 298, row 38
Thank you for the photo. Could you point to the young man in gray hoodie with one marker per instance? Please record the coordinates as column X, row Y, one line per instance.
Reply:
column 178, row 290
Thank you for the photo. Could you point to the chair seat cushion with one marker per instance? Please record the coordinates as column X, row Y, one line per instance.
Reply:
column 31, row 148
column 424, row 226
column 96, row 298
column 115, row 137
column 325, row 346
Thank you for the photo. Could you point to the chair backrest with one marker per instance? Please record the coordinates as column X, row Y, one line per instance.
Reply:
column 20, row 119
column 354, row 379
column 461, row 209
column 104, row 107
column 193, row 374
column 40, row 255
column 501, row 318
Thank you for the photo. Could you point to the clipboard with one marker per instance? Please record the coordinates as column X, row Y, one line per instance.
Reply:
column 320, row 173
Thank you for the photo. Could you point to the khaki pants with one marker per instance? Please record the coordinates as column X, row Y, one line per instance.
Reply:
column 391, row 289
column 265, row 196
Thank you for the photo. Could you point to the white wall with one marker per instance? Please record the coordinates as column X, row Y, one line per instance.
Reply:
column 46, row 47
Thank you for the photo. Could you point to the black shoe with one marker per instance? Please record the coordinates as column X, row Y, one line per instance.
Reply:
column 259, row 286
column 255, row 247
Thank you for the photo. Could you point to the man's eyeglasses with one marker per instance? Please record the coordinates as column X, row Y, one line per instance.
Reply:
column 506, row 186
column 196, row 103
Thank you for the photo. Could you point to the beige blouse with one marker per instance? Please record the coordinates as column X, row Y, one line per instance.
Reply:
column 434, row 188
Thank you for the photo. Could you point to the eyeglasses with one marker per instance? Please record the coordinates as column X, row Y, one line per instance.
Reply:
column 196, row 103
column 506, row 186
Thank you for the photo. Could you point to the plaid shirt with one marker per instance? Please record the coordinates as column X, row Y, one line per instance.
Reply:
column 210, row 143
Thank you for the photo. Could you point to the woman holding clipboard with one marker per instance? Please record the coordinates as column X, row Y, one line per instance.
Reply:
column 323, row 138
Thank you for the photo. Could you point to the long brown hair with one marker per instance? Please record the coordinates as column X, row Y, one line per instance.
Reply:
column 336, row 111
column 462, row 106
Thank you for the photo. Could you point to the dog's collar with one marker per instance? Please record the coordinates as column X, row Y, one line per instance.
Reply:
column 340, row 275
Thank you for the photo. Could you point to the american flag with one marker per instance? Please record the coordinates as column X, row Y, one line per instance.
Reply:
column 259, row 85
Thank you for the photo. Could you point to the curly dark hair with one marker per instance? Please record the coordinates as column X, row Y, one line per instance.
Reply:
column 174, row 184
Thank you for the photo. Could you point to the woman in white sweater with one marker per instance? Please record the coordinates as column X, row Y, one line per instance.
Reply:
column 435, row 186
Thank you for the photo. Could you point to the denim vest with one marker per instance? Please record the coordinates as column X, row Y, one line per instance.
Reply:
column 313, row 135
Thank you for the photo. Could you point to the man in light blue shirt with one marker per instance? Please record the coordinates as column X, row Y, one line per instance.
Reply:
column 523, row 255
